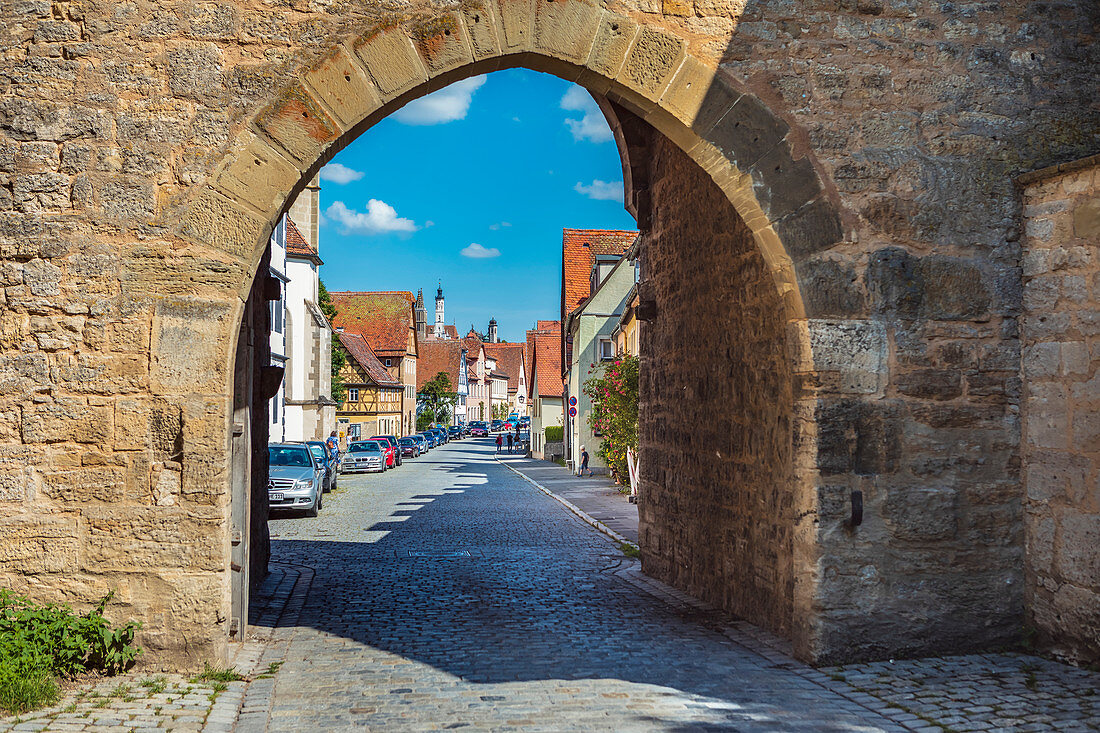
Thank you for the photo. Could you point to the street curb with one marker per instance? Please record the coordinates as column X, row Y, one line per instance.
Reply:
column 587, row 518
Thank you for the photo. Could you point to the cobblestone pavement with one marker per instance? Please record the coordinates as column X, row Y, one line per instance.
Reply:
column 451, row 593
column 597, row 496
column 138, row 703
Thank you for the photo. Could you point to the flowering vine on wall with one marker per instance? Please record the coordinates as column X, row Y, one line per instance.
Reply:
column 614, row 415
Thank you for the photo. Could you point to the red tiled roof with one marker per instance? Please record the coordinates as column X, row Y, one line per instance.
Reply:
column 547, row 364
column 296, row 244
column 579, row 248
column 360, row 350
column 438, row 355
column 510, row 358
column 384, row 319
column 529, row 354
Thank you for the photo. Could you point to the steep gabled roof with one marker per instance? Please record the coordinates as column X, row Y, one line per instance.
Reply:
column 384, row 319
column 546, row 364
column 579, row 249
column 510, row 360
column 438, row 355
column 296, row 244
column 365, row 357
column 553, row 327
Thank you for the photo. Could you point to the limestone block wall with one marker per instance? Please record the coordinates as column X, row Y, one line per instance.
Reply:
column 868, row 147
column 1061, row 416
column 716, row 502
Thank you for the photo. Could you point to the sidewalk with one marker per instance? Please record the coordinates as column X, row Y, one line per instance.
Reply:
column 598, row 497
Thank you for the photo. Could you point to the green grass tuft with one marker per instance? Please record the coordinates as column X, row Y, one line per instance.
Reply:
column 216, row 674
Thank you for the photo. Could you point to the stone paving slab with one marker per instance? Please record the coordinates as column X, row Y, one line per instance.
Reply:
column 597, row 496
column 136, row 702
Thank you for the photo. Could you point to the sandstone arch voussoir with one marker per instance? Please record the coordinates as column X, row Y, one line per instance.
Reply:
column 343, row 87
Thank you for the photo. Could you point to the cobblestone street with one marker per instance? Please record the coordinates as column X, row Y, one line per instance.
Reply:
column 450, row 593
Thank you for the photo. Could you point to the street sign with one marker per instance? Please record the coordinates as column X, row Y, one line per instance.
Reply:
column 572, row 401
column 572, row 412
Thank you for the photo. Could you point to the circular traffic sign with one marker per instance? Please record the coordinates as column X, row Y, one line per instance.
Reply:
column 572, row 412
column 572, row 401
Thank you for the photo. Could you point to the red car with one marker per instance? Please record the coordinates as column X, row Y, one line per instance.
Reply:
column 390, row 446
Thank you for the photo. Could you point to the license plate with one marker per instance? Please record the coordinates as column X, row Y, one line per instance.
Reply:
column 275, row 497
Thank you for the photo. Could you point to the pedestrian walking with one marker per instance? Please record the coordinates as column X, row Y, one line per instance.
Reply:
column 333, row 445
column 500, row 442
column 510, row 442
column 584, row 462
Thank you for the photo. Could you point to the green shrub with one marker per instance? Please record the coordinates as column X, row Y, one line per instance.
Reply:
column 41, row 642
column 555, row 434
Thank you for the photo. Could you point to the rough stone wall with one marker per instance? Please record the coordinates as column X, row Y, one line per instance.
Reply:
column 116, row 325
column 715, row 404
column 1061, row 416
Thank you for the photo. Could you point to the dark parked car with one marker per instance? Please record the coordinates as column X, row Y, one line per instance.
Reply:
column 421, row 442
column 440, row 435
column 364, row 455
column 392, row 440
column 409, row 447
column 332, row 467
column 496, row 426
column 479, row 428
column 454, row 432
column 430, row 438
column 295, row 478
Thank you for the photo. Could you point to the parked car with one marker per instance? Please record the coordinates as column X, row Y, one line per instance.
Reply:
column 508, row 426
column 496, row 426
column 392, row 440
column 421, row 442
column 332, row 467
column 295, row 478
column 465, row 427
column 479, row 429
column 440, row 435
column 429, row 438
column 364, row 455
column 454, row 432
column 409, row 447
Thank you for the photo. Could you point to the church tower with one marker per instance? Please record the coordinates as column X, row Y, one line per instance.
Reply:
column 421, row 315
column 492, row 330
column 439, row 332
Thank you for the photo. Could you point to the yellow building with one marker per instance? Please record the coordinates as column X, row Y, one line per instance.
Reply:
column 372, row 403
column 625, row 334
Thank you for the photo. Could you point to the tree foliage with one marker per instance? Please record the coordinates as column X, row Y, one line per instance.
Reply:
column 436, row 398
column 339, row 356
column 614, row 415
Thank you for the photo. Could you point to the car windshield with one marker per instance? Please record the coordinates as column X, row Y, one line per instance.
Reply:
column 288, row 456
column 317, row 452
column 369, row 447
column 406, row 441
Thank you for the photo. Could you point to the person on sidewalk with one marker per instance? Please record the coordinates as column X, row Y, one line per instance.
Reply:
column 510, row 441
column 584, row 462
column 500, row 442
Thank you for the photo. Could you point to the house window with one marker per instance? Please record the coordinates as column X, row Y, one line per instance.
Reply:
column 275, row 410
column 354, row 431
column 353, row 394
column 607, row 350
column 388, row 362
column 277, row 313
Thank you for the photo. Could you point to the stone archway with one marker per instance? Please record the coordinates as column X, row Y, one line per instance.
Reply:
column 141, row 171
column 713, row 133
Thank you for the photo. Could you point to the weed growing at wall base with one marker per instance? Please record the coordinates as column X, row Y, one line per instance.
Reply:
column 39, row 643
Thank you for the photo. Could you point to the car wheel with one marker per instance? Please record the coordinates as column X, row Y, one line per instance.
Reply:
column 312, row 512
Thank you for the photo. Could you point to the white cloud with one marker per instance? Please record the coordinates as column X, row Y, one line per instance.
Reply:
column 601, row 190
column 477, row 252
column 340, row 174
column 379, row 218
column 495, row 227
column 591, row 126
column 447, row 105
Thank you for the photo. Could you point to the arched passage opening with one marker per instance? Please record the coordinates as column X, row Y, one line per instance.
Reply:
column 727, row 433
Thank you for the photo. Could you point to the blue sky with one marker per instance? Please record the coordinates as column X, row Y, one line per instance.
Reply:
column 472, row 185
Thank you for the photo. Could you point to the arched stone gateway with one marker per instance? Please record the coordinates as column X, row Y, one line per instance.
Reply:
column 830, row 247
